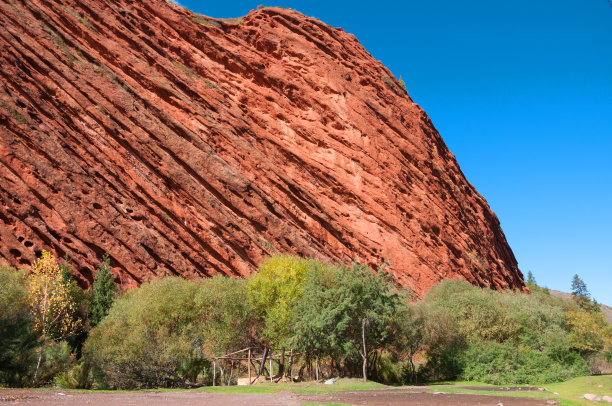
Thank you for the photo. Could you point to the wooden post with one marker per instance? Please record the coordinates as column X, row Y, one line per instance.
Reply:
column 249, row 365
column 214, row 371
column 271, row 368
column 290, row 369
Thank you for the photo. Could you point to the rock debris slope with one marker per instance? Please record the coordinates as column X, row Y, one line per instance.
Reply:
column 187, row 145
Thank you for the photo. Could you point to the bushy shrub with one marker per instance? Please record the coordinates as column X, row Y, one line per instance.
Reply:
column 225, row 322
column 148, row 338
column 503, row 363
column 17, row 338
column 160, row 334
column 504, row 337
column 57, row 359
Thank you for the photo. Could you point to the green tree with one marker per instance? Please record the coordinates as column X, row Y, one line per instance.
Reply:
column 151, row 337
column 581, row 294
column 530, row 279
column 402, row 83
column 226, row 316
column 104, row 291
column 420, row 328
column 589, row 331
column 274, row 291
column 17, row 338
column 503, row 337
column 347, row 312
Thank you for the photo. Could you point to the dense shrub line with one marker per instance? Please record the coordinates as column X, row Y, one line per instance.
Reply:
column 347, row 319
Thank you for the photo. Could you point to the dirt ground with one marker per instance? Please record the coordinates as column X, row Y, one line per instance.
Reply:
column 394, row 396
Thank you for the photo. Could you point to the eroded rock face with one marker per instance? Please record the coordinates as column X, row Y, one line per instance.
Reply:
column 186, row 145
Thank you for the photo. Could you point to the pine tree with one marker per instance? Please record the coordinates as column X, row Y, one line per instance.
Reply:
column 104, row 290
column 66, row 269
column 530, row 279
column 581, row 294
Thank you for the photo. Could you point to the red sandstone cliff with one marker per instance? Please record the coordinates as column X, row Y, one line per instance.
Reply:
column 192, row 146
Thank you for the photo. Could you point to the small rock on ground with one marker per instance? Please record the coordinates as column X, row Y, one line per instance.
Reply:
column 591, row 396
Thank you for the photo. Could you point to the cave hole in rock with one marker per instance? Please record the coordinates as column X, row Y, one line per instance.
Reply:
column 28, row 244
column 97, row 206
column 87, row 273
column 25, row 261
column 15, row 252
column 38, row 253
column 20, row 239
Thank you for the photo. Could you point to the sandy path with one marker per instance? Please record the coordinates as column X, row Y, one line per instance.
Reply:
column 395, row 396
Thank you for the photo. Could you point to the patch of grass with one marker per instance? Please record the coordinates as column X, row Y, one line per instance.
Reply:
column 87, row 24
column 234, row 21
column 241, row 389
column 209, row 83
column 206, row 21
column 390, row 83
column 304, row 388
column 14, row 113
column 59, row 41
column 101, row 109
column 569, row 392
column 82, row 20
column 186, row 70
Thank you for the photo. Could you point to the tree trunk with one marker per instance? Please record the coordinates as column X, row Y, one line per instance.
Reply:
column 44, row 328
column 249, row 366
column 364, row 354
column 42, row 349
column 214, row 372
column 281, row 365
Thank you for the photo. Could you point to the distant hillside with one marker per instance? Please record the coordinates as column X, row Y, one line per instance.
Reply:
column 607, row 310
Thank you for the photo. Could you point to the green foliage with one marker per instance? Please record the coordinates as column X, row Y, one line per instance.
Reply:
column 420, row 327
column 504, row 337
column 275, row 290
column 402, row 84
column 390, row 82
column 17, row 338
column 581, row 295
column 14, row 113
column 74, row 377
column 530, row 279
column 589, row 332
column 206, row 21
column 103, row 292
column 57, row 359
column 341, row 306
column 150, row 337
column 502, row 363
column 226, row 318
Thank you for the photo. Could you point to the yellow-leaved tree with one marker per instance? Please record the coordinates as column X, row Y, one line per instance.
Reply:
column 51, row 304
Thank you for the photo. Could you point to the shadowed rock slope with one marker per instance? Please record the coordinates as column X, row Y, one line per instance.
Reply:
column 187, row 145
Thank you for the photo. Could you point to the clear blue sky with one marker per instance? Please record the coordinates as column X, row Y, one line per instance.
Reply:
column 521, row 92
